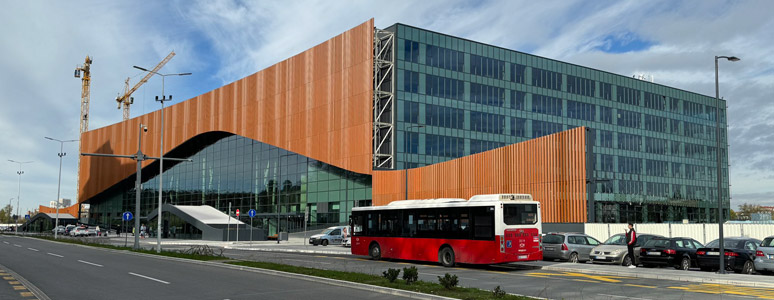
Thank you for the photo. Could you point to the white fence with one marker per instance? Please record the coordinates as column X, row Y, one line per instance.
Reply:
column 703, row 233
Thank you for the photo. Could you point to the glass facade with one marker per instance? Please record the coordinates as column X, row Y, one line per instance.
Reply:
column 247, row 174
column 654, row 151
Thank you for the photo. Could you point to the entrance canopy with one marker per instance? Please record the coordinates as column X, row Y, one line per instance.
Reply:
column 214, row 224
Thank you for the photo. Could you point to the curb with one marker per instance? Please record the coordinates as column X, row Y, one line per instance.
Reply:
column 287, row 250
column 673, row 277
column 336, row 282
column 38, row 293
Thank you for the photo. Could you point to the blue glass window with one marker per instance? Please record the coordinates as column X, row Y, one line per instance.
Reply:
column 580, row 86
column 547, row 105
column 519, row 127
column 486, row 122
column 629, row 165
column 487, row 67
column 606, row 114
column 410, row 81
column 631, row 142
column 581, row 111
column 444, row 58
column 444, row 87
column 547, row 79
column 543, row 128
column 412, row 142
column 693, row 109
column 517, row 100
column 655, row 101
column 411, row 112
column 654, row 123
column 628, row 96
column 628, row 118
column 606, row 162
column 411, row 51
column 487, row 95
column 442, row 116
column 606, row 91
column 605, row 138
column 445, row 146
column 477, row 146
column 517, row 73
column 656, row 168
column 656, row 146
column 629, row 187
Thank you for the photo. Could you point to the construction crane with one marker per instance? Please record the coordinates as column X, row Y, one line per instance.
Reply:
column 85, row 82
column 126, row 100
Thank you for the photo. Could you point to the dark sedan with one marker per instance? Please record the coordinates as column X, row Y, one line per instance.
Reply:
column 678, row 252
column 739, row 252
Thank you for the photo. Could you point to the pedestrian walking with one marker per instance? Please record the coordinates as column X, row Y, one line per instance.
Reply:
column 631, row 241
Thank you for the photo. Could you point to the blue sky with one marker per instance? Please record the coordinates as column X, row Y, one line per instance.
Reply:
column 222, row 41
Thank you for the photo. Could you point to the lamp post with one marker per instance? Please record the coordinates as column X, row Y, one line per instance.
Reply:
column 59, row 185
column 161, row 150
column 405, row 177
column 18, row 194
column 721, row 266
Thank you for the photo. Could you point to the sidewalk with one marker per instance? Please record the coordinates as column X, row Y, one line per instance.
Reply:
column 292, row 245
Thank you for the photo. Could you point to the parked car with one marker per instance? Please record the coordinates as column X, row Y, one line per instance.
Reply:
column 739, row 252
column 69, row 228
column 572, row 247
column 331, row 235
column 614, row 250
column 58, row 230
column 764, row 256
column 91, row 232
column 80, row 231
column 678, row 252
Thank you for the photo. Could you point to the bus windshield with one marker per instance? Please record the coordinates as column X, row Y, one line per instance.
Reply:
column 520, row 214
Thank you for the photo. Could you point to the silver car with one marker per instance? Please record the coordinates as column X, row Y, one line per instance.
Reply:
column 572, row 247
column 764, row 256
column 614, row 250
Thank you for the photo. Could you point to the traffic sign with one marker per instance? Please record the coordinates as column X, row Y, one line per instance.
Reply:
column 27, row 217
column 237, row 213
column 127, row 216
column 251, row 213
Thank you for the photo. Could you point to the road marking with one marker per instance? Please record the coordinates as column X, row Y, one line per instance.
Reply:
column 19, row 287
column 151, row 278
column 14, row 282
column 26, row 294
column 89, row 263
column 598, row 278
column 624, row 297
column 585, row 280
column 7, row 243
column 498, row 272
column 52, row 254
column 8, row 278
column 33, row 249
column 642, row 286
column 17, row 245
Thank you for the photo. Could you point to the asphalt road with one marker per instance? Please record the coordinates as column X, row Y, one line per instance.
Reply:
column 529, row 282
column 66, row 271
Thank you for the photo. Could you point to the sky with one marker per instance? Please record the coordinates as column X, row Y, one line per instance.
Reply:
column 223, row 41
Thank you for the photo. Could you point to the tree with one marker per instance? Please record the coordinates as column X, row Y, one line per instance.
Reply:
column 5, row 214
column 746, row 210
column 732, row 215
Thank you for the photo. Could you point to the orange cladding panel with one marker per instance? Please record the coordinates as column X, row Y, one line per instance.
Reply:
column 317, row 103
column 551, row 168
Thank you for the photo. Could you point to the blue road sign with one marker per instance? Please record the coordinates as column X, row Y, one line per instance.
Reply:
column 251, row 213
column 27, row 217
column 127, row 216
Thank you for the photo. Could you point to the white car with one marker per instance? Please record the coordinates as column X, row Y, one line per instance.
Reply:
column 331, row 235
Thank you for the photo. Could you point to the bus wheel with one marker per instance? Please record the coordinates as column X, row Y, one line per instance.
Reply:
column 375, row 251
column 446, row 256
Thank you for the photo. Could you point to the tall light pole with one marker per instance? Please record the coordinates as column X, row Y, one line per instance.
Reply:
column 59, row 185
column 161, row 150
column 722, row 266
column 18, row 194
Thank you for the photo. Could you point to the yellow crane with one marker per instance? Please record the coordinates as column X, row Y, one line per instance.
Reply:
column 126, row 100
column 85, row 92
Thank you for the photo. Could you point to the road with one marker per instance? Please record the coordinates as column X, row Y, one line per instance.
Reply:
column 66, row 271
column 529, row 282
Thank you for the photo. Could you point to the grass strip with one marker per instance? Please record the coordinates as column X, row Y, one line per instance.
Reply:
column 419, row 286
column 94, row 243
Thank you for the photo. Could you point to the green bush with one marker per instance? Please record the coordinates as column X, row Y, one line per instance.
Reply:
column 391, row 274
column 448, row 281
column 410, row 275
column 498, row 292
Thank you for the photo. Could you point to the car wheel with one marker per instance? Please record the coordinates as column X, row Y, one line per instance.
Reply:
column 627, row 261
column 573, row 258
column 446, row 256
column 685, row 264
column 324, row 242
column 375, row 251
column 748, row 268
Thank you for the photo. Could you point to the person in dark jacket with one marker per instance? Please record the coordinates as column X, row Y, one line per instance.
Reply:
column 631, row 241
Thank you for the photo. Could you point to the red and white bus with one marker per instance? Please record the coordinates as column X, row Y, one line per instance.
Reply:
column 487, row 229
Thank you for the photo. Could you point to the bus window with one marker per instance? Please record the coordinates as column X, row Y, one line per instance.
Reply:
column 520, row 214
column 483, row 223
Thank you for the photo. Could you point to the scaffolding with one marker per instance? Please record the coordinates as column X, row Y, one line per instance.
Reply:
column 384, row 100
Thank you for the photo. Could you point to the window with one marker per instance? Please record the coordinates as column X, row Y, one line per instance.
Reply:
column 653, row 123
column 443, row 116
column 412, row 142
column 542, row 128
column 487, row 123
column 487, row 67
column 444, row 58
column 692, row 109
column 674, row 105
column 606, row 115
column 592, row 241
column 411, row 51
column 658, row 189
column 606, row 91
column 605, row 138
column 444, row 87
column 629, row 165
column 606, row 162
column 411, row 112
column 694, row 151
column 483, row 222
column 580, row 86
column 629, row 142
column 444, row 146
column 629, row 187
column 547, row 105
column 577, row 240
column 628, row 118
column 676, row 148
column 656, row 168
column 694, row 130
column 547, row 79
column 517, row 73
column 477, row 146
column 581, row 111
column 518, row 127
column 655, row 101
column 677, row 170
column 517, row 100
column 519, row 214
column 487, row 95
column 674, row 127
column 628, row 96
column 410, row 81
column 656, row 146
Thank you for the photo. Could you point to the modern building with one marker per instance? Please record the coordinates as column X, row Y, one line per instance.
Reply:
column 376, row 115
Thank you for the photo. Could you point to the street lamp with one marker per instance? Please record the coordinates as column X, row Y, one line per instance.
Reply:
column 59, row 185
column 18, row 194
column 721, row 267
column 405, row 177
column 161, row 146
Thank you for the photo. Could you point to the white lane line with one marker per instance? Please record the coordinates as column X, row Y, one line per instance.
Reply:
column 7, row 243
column 89, row 263
column 623, row 297
column 52, row 254
column 33, row 249
column 17, row 245
column 151, row 278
